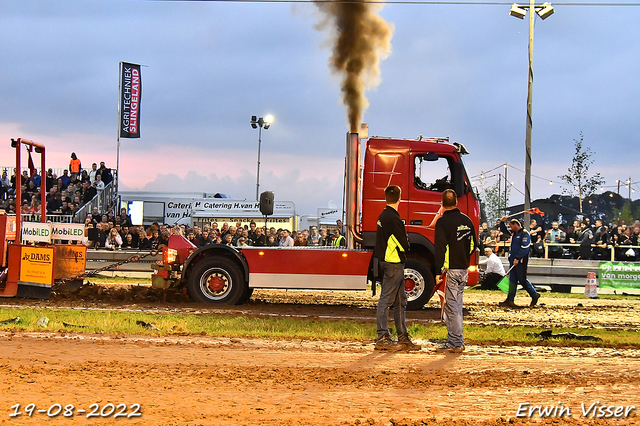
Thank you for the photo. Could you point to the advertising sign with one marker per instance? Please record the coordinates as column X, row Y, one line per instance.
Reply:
column 10, row 232
column 70, row 260
column 130, row 95
column 36, row 232
column 619, row 275
column 67, row 231
column 36, row 265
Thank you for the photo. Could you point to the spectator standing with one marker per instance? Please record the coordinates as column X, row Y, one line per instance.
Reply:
column 66, row 179
column 144, row 242
column 314, row 237
column 390, row 250
column 163, row 240
column 535, row 232
column 260, row 239
column 455, row 242
column 286, row 240
column 518, row 261
column 97, row 237
column 93, row 173
column 128, row 242
column 88, row 192
column 338, row 240
column 574, row 235
column 601, row 239
column 483, row 234
column 106, row 173
column 125, row 218
column 50, row 179
column 251, row 235
column 555, row 235
column 75, row 166
column 586, row 239
column 233, row 231
column 325, row 240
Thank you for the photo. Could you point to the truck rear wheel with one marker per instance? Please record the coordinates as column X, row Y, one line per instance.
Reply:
column 216, row 280
column 418, row 283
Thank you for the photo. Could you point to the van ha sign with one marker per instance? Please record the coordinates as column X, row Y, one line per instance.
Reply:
column 619, row 275
column 36, row 232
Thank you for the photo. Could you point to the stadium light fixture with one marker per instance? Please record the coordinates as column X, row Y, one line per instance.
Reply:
column 260, row 123
column 519, row 11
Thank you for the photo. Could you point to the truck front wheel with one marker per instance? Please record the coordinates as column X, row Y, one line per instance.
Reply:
column 216, row 280
column 418, row 283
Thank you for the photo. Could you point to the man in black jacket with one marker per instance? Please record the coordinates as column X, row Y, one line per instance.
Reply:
column 455, row 243
column 391, row 246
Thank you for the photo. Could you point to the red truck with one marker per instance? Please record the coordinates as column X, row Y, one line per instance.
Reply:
column 423, row 168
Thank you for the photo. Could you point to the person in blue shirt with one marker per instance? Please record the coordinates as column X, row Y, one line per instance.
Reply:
column 518, row 260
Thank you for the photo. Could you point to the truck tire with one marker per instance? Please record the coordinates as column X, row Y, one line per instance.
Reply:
column 216, row 279
column 246, row 295
column 418, row 283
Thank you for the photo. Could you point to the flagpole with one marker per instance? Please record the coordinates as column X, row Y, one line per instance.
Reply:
column 118, row 128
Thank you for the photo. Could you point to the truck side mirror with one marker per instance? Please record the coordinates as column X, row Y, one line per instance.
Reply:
column 457, row 173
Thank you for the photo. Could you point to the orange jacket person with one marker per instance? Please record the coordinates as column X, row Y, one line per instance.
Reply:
column 75, row 166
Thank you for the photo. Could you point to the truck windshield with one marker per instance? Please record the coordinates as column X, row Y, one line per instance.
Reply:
column 431, row 174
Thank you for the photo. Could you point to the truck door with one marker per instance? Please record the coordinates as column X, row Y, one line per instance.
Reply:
column 386, row 168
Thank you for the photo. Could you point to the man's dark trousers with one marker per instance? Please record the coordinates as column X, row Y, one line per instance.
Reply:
column 392, row 296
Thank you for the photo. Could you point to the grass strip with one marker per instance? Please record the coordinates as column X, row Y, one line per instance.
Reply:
column 129, row 323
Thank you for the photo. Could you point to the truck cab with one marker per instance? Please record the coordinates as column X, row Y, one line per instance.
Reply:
column 423, row 169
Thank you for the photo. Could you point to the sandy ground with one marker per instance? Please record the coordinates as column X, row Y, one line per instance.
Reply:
column 208, row 381
column 219, row 381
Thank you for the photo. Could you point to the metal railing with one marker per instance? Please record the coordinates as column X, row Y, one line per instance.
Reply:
column 504, row 246
column 57, row 218
column 104, row 200
column 58, row 171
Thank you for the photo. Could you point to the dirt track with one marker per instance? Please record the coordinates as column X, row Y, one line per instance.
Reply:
column 211, row 381
column 480, row 307
column 221, row 381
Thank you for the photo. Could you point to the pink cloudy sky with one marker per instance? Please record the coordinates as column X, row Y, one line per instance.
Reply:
column 454, row 70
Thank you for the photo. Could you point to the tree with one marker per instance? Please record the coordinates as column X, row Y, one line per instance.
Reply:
column 493, row 200
column 580, row 183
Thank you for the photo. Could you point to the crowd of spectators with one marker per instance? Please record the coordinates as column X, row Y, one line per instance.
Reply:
column 112, row 232
column 580, row 240
column 66, row 194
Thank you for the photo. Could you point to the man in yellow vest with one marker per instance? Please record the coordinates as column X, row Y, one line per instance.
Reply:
column 392, row 245
column 338, row 240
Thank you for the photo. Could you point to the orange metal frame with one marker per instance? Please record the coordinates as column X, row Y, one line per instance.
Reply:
column 14, row 250
column 15, row 143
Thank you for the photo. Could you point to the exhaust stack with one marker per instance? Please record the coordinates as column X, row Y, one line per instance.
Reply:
column 352, row 189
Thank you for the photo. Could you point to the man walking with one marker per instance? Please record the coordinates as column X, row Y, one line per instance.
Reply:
column 518, row 261
column 390, row 250
column 455, row 243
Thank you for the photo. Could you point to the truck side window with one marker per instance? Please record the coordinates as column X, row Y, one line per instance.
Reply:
column 432, row 173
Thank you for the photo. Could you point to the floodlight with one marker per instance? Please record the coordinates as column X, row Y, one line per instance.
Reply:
column 546, row 11
column 254, row 121
column 518, row 12
column 267, row 121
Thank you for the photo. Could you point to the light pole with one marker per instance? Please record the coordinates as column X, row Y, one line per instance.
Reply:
column 519, row 11
column 259, row 123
